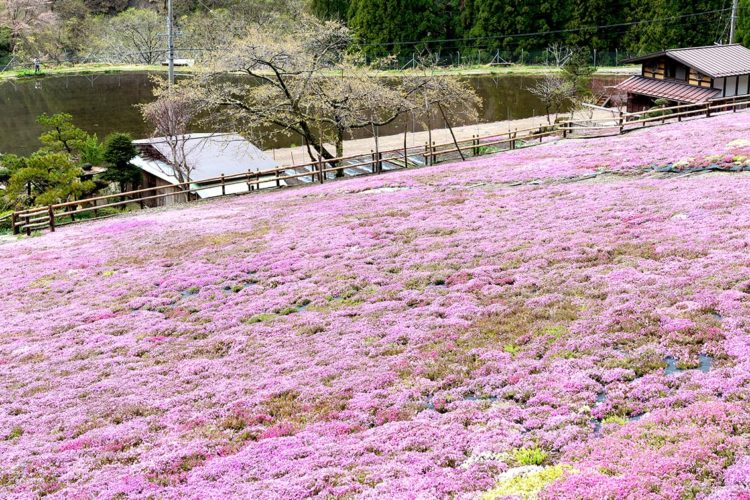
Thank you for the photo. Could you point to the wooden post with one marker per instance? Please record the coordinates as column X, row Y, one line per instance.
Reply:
column 278, row 182
column 426, row 154
column 223, row 186
column 14, row 222
column 321, row 173
column 249, row 184
column 734, row 104
column 708, row 110
column 51, row 219
column 622, row 122
column 257, row 181
column 28, row 229
column 433, row 151
column 374, row 167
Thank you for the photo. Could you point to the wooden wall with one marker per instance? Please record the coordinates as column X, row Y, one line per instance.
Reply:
column 657, row 69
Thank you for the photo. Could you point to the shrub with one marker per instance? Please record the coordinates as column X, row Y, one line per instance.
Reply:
column 530, row 456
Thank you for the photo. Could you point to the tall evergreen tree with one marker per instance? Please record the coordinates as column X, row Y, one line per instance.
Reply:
column 330, row 9
column 390, row 26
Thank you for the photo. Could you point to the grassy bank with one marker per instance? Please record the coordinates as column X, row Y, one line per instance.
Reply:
column 98, row 68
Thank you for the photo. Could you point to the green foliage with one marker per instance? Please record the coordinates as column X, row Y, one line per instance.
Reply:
column 615, row 419
column 106, row 6
column 5, row 43
column 118, row 151
column 530, row 456
column 384, row 25
column 14, row 433
column 45, row 178
column 527, row 485
column 658, row 109
column 330, row 9
column 53, row 174
column 61, row 136
column 577, row 71
column 92, row 151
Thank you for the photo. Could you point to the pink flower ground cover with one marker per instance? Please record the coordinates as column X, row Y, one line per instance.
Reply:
column 410, row 335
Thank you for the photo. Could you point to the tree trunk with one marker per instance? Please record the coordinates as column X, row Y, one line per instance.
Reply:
column 314, row 143
column 339, row 150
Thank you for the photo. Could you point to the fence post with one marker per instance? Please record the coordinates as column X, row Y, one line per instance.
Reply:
column 426, row 154
column 249, row 184
column 51, row 219
column 565, row 129
column 622, row 122
column 708, row 110
column 278, row 182
column 14, row 222
column 223, row 186
column 257, row 181
column 321, row 173
column 734, row 104
column 406, row 157
column 28, row 229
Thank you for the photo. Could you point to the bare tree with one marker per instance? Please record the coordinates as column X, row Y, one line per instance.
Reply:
column 134, row 36
column 301, row 82
column 560, row 53
column 554, row 91
column 170, row 115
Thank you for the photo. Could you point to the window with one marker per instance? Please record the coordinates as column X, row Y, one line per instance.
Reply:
column 670, row 70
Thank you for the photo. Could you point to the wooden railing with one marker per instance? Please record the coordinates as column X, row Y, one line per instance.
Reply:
column 326, row 169
column 629, row 121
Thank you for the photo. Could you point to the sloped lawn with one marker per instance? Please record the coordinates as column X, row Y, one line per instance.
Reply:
column 511, row 326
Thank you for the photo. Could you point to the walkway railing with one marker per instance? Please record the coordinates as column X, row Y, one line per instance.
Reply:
column 326, row 169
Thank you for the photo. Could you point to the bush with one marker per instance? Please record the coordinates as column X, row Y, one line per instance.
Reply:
column 530, row 456
column 118, row 151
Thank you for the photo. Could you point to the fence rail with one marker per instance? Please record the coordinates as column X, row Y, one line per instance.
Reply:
column 326, row 169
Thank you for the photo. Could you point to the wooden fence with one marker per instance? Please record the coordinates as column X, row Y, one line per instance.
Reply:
column 323, row 170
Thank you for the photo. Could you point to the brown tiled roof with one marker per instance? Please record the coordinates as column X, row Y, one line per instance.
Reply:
column 715, row 61
column 667, row 89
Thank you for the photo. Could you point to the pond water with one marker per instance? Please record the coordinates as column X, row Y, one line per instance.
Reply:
column 105, row 103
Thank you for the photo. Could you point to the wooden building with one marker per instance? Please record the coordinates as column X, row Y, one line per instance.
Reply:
column 688, row 76
column 209, row 156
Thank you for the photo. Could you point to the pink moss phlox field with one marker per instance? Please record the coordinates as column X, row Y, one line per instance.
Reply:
column 397, row 336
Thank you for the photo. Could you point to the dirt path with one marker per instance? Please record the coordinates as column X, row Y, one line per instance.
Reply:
column 292, row 156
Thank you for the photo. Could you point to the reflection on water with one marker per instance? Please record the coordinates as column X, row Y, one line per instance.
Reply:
column 103, row 103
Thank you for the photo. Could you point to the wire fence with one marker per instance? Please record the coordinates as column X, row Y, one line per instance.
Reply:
column 470, row 57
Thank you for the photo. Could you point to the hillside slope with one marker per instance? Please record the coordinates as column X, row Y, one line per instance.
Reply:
column 513, row 324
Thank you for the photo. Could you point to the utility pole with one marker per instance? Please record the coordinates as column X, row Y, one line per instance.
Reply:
column 170, row 43
column 733, row 22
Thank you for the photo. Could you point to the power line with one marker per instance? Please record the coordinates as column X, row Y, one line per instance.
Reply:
column 550, row 32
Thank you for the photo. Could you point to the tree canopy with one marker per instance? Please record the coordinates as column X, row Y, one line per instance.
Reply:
column 401, row 26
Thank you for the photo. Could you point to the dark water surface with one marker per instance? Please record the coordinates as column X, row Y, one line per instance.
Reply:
column 102, row 104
